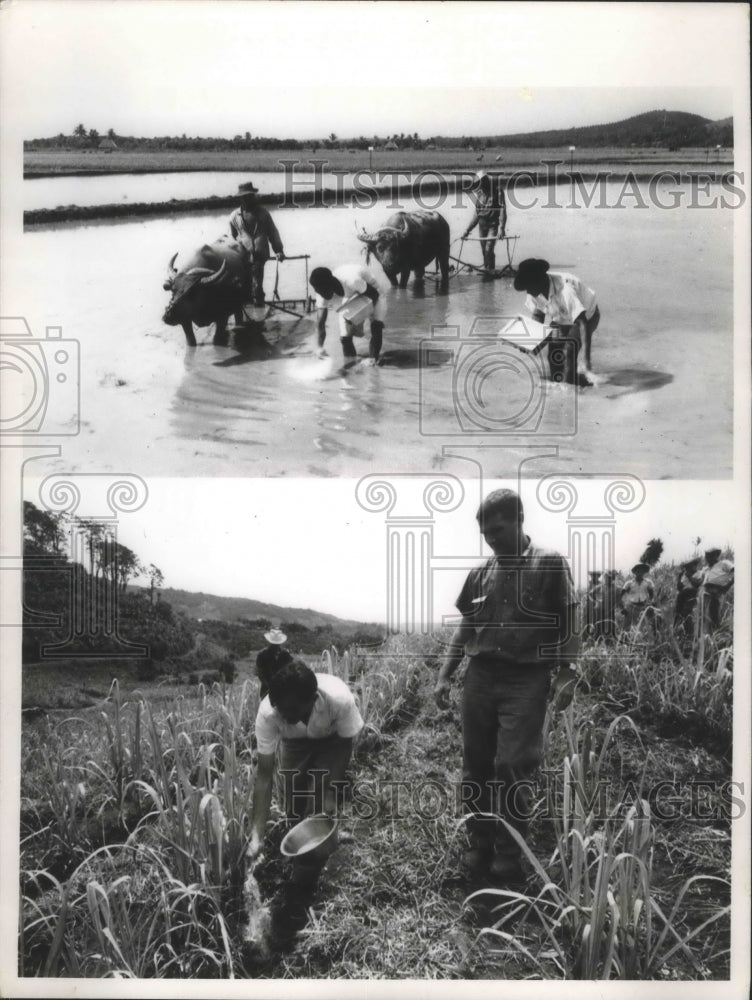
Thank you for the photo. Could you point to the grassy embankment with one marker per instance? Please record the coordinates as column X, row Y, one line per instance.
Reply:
column 398, row 169
column 44, row 163
column 135, row 815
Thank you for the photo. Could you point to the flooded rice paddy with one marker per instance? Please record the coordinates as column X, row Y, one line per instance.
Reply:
column 265, row 406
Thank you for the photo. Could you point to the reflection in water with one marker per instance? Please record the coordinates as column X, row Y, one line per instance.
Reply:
column 635, row 380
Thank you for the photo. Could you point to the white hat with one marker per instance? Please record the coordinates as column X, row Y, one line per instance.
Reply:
column 275, row 636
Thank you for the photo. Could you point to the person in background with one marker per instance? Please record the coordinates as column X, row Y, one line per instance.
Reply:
column 717, row 577
column 253, row 227
column 271, row 658
column 591, row 599
column 637, row 594
column 517, row 629
column 312, row 719
column 563, row 302
column 353, row 292
column 490, row 215
column 688, row 582
column 605, row 607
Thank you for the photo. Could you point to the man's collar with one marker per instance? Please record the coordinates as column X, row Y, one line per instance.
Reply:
column 524, row 554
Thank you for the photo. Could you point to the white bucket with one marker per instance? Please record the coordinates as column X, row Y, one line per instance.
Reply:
column 356, row 309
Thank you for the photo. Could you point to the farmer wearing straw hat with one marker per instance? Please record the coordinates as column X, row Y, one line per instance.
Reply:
column 490, row 215
column 252, row 226
column 717, row 578
column 637, row 594
column 271, row 658
column 563, row 302
column 518, row 627
column 312, row 719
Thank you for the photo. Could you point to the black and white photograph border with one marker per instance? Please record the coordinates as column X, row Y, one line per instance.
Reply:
column 92, row 467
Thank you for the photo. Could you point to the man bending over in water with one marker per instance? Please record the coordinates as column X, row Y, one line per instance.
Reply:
column 353, row 292
column 565, row 303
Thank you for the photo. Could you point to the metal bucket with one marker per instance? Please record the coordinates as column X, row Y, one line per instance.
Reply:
column 311, row 840
column 356, row 309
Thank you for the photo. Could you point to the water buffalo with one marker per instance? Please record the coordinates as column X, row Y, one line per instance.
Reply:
column 208, row 287
column 408, row 242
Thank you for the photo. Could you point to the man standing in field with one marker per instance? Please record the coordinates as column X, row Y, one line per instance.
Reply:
column 517, row 629
column 717, row 579
column 490, row 216
column 353, row 292
column 605, row 607
column 637, row 595
column 313, row 719
column 253, row 227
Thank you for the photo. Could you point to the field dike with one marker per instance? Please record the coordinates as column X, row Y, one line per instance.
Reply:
column 136, row 815
column 332, row 196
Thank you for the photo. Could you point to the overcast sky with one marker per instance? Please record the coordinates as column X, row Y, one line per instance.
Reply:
column 307, row 69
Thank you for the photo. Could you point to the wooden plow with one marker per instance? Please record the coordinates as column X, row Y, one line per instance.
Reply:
column 290, row 306
column 298, row 307
column 460, row 265
column 510, row 243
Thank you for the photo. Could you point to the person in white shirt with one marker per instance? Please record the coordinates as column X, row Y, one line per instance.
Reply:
column 717, row 577
column 354, row 293
column 564, row 302
column 313, row 719
column 637, row 595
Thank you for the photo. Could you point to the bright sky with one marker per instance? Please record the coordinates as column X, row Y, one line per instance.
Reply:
column 309, row 544
column 307, row 69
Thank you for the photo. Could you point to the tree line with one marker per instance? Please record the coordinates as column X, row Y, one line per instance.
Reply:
column 82, row 138
column 75, row 592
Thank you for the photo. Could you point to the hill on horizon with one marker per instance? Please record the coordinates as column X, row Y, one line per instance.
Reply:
column 665, row 128
column 232, row 609
column 651, row 128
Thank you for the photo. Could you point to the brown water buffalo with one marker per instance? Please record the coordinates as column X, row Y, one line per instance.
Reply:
column 208, row 287
column 408, row 242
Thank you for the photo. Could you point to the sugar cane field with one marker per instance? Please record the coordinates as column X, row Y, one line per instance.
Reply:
column 136, row 793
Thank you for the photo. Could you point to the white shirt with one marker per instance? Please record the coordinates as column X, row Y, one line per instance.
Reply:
column 567, row 298
column 638, row 592
column 335, row 712
column 720, row 574
column 354, row 279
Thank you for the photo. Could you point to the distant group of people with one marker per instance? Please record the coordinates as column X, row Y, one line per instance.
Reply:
column 700, row 587
column 556, row 298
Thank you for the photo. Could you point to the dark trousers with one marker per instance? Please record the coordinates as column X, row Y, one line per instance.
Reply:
column 503, row 710
column 304, row 767
column 489, row 228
